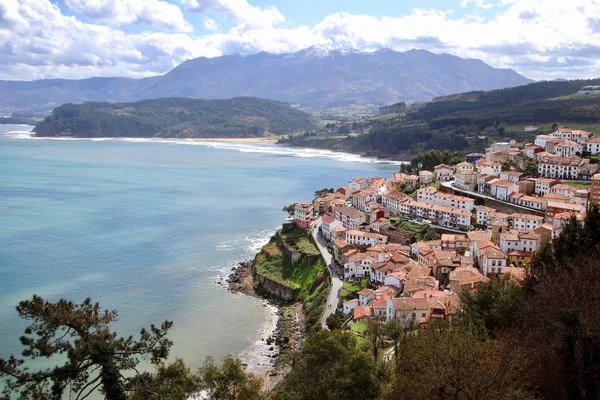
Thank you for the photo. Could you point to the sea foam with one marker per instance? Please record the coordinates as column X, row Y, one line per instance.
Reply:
column 261, row 148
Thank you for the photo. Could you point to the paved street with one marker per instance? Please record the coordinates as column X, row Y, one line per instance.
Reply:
column 336, row 283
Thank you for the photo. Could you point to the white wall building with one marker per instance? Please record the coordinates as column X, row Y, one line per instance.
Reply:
column 392, row 200
column 444, row 216
column 559, row 167
column 350, row 218
column 511, row 176
column 526, row 222
column 465, row 167
column 365, row 239
column 411, row 312
column 443, row 173
column 593, row 146
column 500, row 146
column 502, row 189
column 431, row 195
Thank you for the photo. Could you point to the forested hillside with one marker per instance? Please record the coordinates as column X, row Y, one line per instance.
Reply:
column 465, row 122
column 175, row 118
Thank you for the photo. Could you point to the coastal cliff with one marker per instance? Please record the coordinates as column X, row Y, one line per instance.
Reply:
column 289, row 272
column 270, row 289
column 286, row 270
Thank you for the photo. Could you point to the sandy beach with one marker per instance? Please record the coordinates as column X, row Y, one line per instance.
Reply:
column 269, row 140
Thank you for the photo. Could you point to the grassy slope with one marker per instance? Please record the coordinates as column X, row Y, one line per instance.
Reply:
column 310, row 281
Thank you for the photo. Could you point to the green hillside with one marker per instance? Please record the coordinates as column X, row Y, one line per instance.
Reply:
column 467, row 121
column 175, row 118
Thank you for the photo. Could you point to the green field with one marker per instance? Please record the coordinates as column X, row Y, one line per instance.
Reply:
column 299, row 239
column 547, row 128
column 579, row 185
column 349, row 291
column 275, row 265
column 360, row 327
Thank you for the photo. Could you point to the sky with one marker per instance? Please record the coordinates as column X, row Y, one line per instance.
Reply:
column 540, row 39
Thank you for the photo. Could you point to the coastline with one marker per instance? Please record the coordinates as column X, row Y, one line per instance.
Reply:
column 266, row 140
column 282, row 332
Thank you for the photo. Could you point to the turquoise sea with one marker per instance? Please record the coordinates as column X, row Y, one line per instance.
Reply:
column 148, row 227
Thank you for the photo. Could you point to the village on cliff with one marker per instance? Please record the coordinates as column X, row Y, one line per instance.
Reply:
column 492, row 219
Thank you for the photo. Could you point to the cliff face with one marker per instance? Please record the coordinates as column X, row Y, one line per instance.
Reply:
column 268, row 288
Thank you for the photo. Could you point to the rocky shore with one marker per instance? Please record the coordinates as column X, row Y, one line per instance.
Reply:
column 240, row 279
column 273, row 361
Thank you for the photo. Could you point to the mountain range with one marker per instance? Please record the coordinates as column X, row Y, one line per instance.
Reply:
column 313, row 79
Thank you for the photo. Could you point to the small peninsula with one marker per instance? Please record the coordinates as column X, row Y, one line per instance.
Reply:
column 239, row 117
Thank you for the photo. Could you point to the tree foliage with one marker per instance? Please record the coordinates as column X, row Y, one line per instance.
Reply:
column 84, row 354
column 428, row 160
column 450, row 362
column 494, row 305
column 329, row 367
column 289, row 209
column 175, row 117
column 323, row 192
column 172, row 381
column 230, row 381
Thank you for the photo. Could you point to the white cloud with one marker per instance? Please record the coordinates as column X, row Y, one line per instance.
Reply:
column 240, row 11
column 477, row 3
column 38, row 41
column 210, row 24
column 157, row 13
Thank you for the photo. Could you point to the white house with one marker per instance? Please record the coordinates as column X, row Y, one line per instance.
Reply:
column 395, row 279
column 412, row 312
column 444, row 216
column 567, row 149
column 327, row 225
column 526, row 200
column 493, row 261
column 532, row 149
column 502, row 189
column 349, row 217
column 526, row 222
column 365, row 296
column 303, row 213
column 364, row 239
column 443, row 172
column 540, row 140
column 359, row 265
column 393, row 199
column 425, row 177
column 559, row 167
column 511, row 176
column 466, row 180
column 489, row 167
column 431, row 195
column 465, row 167
column 593, row 146
column 349, row 306
column 520, row 241
column 543, row 185
column 500, row 146
column 362, row 199
column 483, row 214
column 358, row 183
column 563, row 190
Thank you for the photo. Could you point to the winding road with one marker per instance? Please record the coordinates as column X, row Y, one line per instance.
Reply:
column 333, row 300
